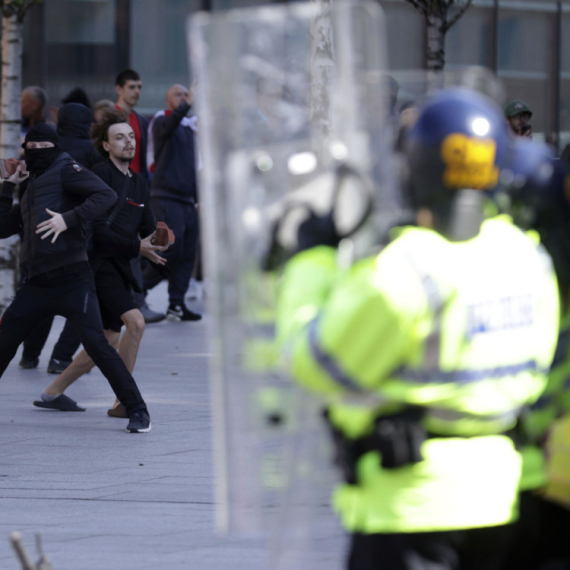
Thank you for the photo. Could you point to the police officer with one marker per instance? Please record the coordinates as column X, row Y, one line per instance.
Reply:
column 541, row 536
column 426, row 353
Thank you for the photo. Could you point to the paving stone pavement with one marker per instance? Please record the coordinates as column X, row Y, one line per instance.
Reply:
column 105, row 499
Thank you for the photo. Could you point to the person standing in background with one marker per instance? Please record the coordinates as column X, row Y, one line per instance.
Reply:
column 128, row 85
column 174, row 196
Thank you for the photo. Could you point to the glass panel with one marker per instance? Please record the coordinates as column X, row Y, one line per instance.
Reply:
column 80, row 21
column 158, row 47
column 565, row 82
column 469, row 41
column 526, row 61
column 406, row 35
column 80, row 51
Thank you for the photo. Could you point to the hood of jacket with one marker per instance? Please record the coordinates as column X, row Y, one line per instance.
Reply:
column 74, row 120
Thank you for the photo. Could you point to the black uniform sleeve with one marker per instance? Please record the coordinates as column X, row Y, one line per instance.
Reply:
column 10, row 218
column 82, row 182
column 163, row 127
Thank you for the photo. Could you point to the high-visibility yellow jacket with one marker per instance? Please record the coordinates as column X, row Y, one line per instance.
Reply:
column 546, row 424
column 466, row 330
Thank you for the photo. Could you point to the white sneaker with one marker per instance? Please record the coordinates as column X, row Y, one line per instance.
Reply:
column 195, row 290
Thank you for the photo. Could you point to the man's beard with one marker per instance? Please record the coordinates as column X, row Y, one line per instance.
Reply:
column 126, row 159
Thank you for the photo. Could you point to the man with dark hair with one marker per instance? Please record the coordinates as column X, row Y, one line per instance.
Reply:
column 33, row 102
column 58, row 195
column 174, row 196
column 115, row 242
column 128, row 85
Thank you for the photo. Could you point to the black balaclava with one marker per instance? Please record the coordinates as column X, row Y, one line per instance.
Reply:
column 38, row 160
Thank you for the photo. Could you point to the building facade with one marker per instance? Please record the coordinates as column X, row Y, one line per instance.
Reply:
column 84, row 43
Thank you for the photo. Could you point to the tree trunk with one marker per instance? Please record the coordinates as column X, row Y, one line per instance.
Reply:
column 322, row 63
column 435, row 51
column 10, row 115
column 8, row 262
column 10, row 112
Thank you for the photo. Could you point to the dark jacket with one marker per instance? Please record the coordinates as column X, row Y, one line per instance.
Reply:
column 120, row 241
column 134, row 219
column 67, row 188
column 73, row 123
column 143, row 144
column 174, row 175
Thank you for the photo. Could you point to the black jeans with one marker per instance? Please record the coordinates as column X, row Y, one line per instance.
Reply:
column 69, row 292
column 64, row 349
column 541, row 535
column 468, row 549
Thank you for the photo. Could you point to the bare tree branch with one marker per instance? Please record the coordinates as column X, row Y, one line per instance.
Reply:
column 25, row 7
column 455, row 18
column 419, row 5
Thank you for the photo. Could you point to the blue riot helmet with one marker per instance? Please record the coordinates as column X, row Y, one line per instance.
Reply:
column 534, row 176
column 538, row 185
column 456, row 151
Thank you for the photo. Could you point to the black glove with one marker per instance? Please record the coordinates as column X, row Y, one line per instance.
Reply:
column 317, row 230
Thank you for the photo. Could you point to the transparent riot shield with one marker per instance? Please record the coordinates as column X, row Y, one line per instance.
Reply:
column 411, row 88
column 292, row 103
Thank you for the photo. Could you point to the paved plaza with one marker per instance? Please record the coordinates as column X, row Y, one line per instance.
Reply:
column 105, row 499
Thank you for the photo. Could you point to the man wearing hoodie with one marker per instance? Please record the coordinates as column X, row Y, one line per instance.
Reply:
column 174, row 196
column 74, row 122
column 128, row 231
column 58, row 198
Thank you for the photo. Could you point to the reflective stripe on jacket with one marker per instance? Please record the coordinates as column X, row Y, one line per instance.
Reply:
column 466, row 330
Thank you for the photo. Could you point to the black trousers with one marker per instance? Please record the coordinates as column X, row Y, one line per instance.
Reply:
column 469, row 549
column 69, row 292
column 64, row 349
column 542, row 536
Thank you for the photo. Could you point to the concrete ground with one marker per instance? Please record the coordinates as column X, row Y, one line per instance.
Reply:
column 105, row 499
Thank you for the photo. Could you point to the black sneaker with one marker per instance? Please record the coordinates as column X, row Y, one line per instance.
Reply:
column 180, row 312
column 139, row 422
column 56, row 366
column 29, row 363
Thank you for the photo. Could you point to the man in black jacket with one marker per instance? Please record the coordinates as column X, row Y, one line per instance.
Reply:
column 115, row 242
column 58, row 198
column 74, row 122
column 128, row 85
column 174, row 196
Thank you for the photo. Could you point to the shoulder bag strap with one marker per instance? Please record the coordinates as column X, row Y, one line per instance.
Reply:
column 120, row 202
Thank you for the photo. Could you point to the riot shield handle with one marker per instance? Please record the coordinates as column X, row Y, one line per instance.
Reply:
column 278, row 253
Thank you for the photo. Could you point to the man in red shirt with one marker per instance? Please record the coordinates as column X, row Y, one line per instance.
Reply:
column 128, row 86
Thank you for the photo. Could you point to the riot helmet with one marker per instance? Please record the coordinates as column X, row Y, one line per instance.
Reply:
column 537, row 185
column 455, row 153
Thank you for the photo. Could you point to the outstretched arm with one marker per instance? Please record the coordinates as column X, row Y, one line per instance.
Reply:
column 10, row 217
